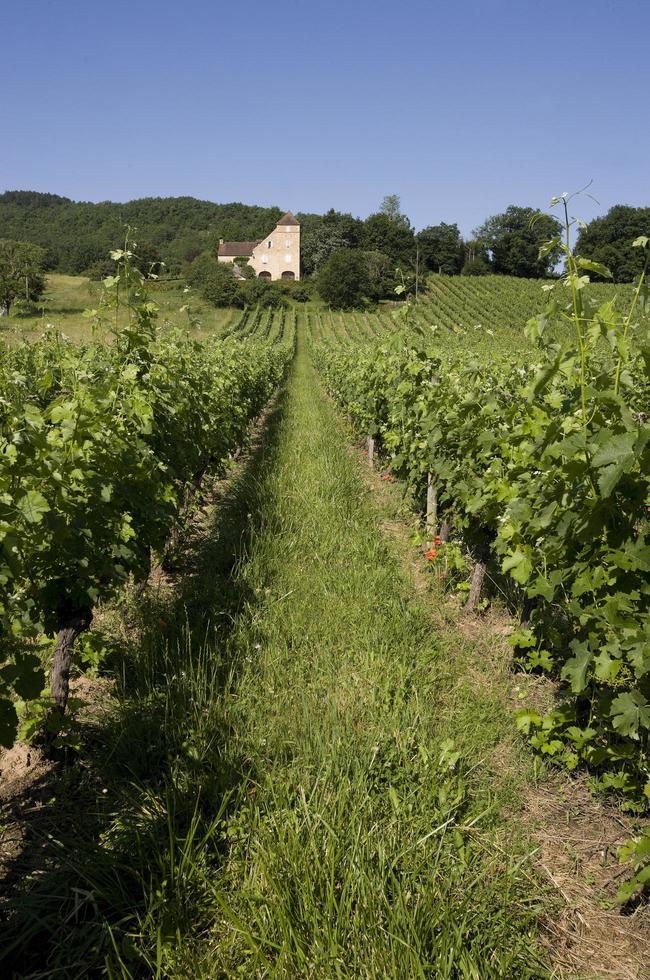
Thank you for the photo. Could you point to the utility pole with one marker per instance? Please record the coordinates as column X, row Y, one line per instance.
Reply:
column 417, row 271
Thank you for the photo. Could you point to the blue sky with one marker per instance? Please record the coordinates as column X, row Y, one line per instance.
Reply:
column 460, row 108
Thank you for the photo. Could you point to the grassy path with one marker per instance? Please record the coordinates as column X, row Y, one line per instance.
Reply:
column 367, row 840
column 295, row 776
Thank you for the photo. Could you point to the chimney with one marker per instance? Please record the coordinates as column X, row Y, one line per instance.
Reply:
column 221, row 241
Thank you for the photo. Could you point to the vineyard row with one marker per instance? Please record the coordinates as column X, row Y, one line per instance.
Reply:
column 543, row 471
column 102, row 446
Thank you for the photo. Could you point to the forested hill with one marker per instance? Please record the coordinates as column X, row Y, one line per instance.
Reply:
column 76, row 234
column 79, row 235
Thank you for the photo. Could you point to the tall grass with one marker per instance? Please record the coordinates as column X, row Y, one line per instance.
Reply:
column 67, row 299
column 370, row 842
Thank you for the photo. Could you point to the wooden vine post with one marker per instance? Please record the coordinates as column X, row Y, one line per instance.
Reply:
column 478, row 577
column 371, row 451
column 71, row 624
column 432, row 506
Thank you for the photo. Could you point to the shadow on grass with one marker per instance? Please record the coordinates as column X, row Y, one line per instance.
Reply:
column 43, row 312
column 117, row 872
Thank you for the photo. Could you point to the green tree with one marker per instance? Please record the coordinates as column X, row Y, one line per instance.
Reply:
column 513, row 241
column 391, row 207
column 196, row 271
column 215, row 281
column 343, row 281
column 84, row 253
column 381, row 275
column 21, row 273
column 441, row 248
column 100, row 270
column 316, row 246
column 609, row 240
column 348, row 228
column 148, row 258
column 382, row 234
column 76, row 234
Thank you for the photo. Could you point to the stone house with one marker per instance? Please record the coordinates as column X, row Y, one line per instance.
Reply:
column 275, row 257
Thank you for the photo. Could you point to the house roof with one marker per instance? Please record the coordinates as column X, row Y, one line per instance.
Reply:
column 288, row 219
column 237, row 248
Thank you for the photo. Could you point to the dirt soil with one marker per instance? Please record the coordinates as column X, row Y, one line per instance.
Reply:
column 27, row 778
column 578, row 837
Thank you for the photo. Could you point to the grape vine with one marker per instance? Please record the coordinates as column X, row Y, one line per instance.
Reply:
column 100, row 445
column 545, row 467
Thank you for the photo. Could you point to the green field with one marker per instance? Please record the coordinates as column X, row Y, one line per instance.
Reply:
column 67, row 298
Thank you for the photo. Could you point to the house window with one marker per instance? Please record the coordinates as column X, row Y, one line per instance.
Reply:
column 287, row 258
column 265, row 258
column 269, row 244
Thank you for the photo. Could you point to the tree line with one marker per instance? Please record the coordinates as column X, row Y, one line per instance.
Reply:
column 78, row 235
column 351, row 260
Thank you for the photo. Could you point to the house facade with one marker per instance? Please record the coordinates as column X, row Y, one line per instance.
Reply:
column 275, row 257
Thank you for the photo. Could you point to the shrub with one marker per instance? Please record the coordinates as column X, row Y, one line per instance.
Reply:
column 261, row 292
column 343, row 281
column 21, row 273
column 476, row 267
column 101, row 269
column 214, row 281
